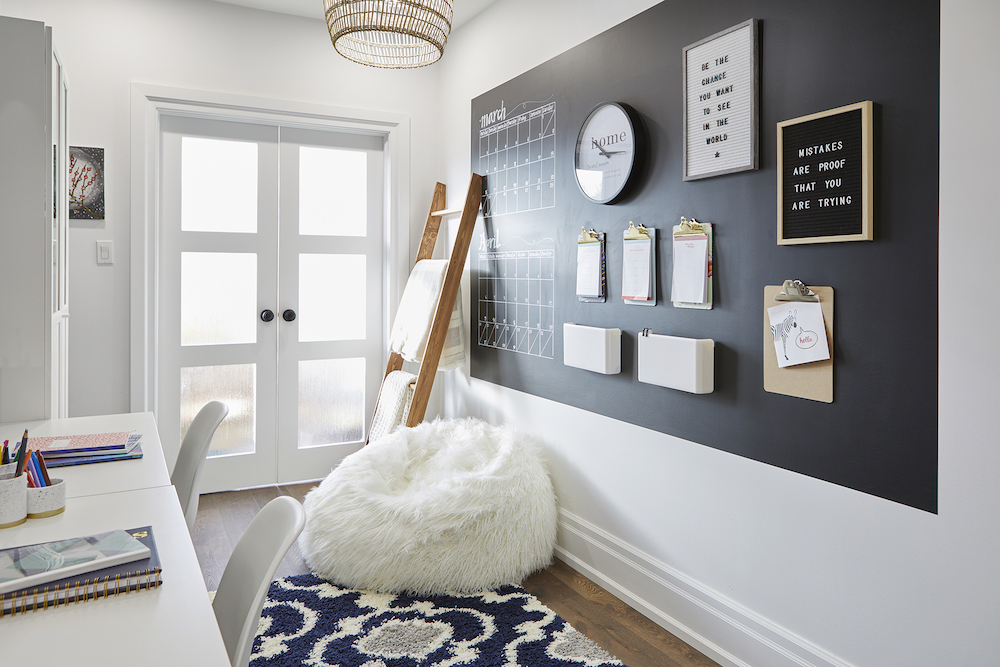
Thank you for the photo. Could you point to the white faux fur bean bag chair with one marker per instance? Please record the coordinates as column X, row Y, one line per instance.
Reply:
column 449, row 505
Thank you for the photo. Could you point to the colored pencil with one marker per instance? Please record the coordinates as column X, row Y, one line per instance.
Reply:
column 20, row 462
column 41, row 466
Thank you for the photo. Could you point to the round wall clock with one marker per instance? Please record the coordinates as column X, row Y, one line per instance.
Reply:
column 609, row 152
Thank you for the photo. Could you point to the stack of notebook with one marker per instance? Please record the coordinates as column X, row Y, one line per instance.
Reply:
column 91, row 448
column 39, row 576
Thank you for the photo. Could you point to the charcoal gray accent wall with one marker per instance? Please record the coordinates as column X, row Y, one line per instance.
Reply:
column 879, row 436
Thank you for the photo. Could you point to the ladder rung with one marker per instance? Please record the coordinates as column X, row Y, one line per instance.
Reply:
column 446, row 211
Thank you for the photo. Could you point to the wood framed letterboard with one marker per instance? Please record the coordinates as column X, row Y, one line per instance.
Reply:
column 825, row 176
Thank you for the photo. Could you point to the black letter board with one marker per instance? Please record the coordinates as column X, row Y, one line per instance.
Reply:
column 825, row 176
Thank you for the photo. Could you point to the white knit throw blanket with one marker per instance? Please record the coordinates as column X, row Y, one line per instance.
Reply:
column 412, row 326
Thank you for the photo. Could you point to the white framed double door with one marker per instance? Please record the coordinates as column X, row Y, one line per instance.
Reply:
column 270, row 268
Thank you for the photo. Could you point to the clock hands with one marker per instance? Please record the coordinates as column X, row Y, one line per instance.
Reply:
column 604, row 152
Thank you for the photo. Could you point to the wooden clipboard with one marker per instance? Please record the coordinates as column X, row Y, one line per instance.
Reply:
column 814, row 380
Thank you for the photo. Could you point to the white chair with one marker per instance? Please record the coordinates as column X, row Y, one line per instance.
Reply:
column 249, row 572
column 187, row 470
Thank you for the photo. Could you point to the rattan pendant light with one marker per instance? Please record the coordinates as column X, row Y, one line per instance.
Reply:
column 389, row 33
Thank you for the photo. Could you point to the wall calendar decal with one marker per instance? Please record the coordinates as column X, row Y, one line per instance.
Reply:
column 516, row 309
column 517, row 155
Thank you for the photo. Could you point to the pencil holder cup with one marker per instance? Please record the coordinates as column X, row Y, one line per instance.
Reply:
column 7, row 471
column 47, row 500
column 13, row 501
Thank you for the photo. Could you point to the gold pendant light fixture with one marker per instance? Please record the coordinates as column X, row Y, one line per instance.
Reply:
column 395, row 34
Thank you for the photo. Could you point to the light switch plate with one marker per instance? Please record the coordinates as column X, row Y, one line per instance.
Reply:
column 105, row 254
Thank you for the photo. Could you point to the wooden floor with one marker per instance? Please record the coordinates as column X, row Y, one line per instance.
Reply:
column 616, row 627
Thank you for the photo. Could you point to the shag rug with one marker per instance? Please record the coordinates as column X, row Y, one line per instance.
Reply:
column 308, row 621
column 448, row 505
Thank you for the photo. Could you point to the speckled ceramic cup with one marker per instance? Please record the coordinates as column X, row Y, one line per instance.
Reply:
column 7, row 471
column 13, row 501
column 47, row 500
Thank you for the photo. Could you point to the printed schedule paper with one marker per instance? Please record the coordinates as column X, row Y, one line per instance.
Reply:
column 637, row 274
column 588, row 269
column 689, row 281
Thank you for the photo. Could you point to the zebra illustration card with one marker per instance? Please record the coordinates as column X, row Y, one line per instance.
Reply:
column 799, row 333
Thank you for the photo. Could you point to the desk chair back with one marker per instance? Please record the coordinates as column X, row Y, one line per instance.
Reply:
column 191, row 459
column 249, row 572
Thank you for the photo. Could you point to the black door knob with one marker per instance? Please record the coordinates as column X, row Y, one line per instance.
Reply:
column 288, row 315
column 266, row 315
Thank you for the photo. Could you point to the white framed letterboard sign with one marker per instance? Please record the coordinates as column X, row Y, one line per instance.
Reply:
column 720, row 103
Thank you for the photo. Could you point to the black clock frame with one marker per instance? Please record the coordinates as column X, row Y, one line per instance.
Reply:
column 638, row 154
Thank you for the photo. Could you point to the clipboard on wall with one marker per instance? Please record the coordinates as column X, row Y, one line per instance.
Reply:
column 639, row 265
column 591, row 267
column 686, row 235
column 813, row 381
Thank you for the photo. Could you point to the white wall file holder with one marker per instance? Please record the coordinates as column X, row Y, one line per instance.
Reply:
column 687, row 364
column 592, row 348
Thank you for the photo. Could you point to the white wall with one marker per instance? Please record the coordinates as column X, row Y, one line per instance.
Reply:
column 196, row 44
column 705, row 541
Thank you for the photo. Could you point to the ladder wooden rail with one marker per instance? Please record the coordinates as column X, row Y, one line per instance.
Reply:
column 449, row 289
column 428, row 239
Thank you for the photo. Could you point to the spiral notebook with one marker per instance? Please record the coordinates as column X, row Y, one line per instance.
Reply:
column 113, row 580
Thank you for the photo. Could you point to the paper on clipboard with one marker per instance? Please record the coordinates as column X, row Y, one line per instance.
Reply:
column 638, row 262
column 813, row 381
column 689, row 281
column 637, row 279
column 799, row 333
column 692, row 229
column 588, row 269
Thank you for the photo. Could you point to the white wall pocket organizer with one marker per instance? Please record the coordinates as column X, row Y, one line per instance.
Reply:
column 592, row 348
column 687, row 364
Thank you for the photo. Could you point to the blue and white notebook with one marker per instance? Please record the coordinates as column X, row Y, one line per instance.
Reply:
column 38, row 564
column 62, row 461
column 112, row 580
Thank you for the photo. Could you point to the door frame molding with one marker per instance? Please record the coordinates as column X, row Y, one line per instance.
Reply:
column 149, row 103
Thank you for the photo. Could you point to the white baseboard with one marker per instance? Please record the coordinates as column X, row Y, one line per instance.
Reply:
column 720, row 628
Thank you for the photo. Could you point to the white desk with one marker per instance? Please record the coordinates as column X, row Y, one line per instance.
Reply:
column 96, row 478
column 170, row 625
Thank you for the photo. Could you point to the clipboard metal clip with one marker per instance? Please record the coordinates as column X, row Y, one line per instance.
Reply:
column 636, row 233
column 690, row 228
column 795, row 290
column 588, row 235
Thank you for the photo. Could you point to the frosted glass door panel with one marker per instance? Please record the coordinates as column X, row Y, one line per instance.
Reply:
column 218, row 185
column 218, row 298
column 331, row 401
column 236, row 386
column 333, row 192
column 332, row 295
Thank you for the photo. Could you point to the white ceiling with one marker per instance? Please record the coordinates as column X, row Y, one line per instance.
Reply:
column 464, row 9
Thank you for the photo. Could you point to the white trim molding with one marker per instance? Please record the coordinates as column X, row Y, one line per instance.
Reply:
column 150, row 102
column 718, row 627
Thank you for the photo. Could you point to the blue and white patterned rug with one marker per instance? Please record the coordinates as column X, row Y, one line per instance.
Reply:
column 309, row 621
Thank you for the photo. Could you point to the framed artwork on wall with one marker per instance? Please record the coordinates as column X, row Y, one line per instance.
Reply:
column 86, row 183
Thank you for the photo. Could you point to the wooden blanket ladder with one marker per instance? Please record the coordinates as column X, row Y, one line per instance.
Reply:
column 449, row 289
